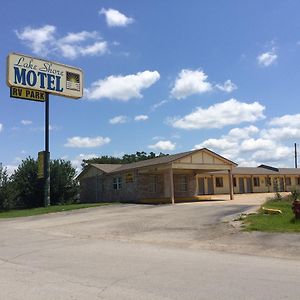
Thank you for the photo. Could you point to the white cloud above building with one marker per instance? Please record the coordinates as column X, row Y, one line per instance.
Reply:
column 231, row 112
column 141, row 118
column 251, row 147
column 122, row 88
column 190, row 82
column 163, row 145
column 268, row 58
column 87, row 142
column 228, row 86
column 46, row 40
column 118, row 120
column 115, row 18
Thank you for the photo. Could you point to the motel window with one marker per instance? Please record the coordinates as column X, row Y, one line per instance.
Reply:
column 298, row 180
column 288, row 181
column 153, row 184
column 117, row 183
column 219, row 181
column 256, row 181
column 234, row 181
column 183, row 183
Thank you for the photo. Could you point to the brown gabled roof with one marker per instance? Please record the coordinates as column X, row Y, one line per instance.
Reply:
column 106, row 168
column 113, row 168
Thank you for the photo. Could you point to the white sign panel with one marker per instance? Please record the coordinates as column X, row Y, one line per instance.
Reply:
column 42, row 75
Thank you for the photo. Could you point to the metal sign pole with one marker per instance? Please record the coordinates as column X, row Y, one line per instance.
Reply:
column 47, row 156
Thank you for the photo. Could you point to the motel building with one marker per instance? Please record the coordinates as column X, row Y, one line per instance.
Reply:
column 188, row 176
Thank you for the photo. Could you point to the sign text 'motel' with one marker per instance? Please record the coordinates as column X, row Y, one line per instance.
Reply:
column 37, row 74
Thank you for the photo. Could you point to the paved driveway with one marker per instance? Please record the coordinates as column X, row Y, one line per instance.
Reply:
column 145, row 252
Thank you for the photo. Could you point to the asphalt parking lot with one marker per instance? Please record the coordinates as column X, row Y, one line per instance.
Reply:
column 146, row 252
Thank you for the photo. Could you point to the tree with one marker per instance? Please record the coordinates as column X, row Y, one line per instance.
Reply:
column 126, row 158
column 28, row 189
column 63, row 186
column 5, row 199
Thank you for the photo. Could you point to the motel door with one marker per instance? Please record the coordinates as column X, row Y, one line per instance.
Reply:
column 210, row 186
column 281, row 184
column 201, row 186
column 248, row 185
column 241, row 185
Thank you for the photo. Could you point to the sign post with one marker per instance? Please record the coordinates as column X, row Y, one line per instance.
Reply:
column 34, row 79
column 47, row 157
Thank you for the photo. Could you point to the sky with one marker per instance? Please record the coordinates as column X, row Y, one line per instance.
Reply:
column 163, row 76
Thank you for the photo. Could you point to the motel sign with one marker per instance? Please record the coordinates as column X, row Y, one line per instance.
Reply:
column 41, row 75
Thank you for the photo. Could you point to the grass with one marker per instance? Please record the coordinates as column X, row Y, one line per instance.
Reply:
column 284, row 222
column 15, row 213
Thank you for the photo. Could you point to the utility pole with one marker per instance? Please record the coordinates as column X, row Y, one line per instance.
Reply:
column 47, row 157
column 296, row 165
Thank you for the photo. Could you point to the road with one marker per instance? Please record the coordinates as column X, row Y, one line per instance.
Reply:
column 144, row 252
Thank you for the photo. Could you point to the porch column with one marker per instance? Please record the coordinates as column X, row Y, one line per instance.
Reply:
column 230, row 184
column 172, row 186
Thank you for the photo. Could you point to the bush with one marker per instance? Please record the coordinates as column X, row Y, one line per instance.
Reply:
column 63, row 186
column 28, row 189
column 5, row 191
column 295, row 194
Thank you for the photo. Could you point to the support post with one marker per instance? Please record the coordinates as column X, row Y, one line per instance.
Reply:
column 47, row 156
column 172, row 186
column 296, row 163
column 230, row 184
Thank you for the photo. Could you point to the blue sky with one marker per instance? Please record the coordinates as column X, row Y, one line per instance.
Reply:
column 162, row 76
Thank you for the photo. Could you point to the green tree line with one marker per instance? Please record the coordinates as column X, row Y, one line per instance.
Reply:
column 23, row 189
column 125, row 159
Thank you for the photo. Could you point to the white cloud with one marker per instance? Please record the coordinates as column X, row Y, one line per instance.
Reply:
column 220, row 144
column 45, row 40
column 26, row 122
column 242, row 133
column 286, row 120
column 222, row 114
column 251, row 148
column 163, row 145
column 158, row 104
column 114, row 18
column 228, row 86
column 37, row 39
column 122, row 88
column 87, row 142
column 141, row 118
column 190, row 82
column 75, row 37
column 1, row 127
column 94, row 49
column 267, row 58
column 277, row 154
column 281, row 133
column 256, row 144
column 118, row 120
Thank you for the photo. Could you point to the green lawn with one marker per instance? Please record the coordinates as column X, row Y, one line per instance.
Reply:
column 46, row 210
column 284, row 222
